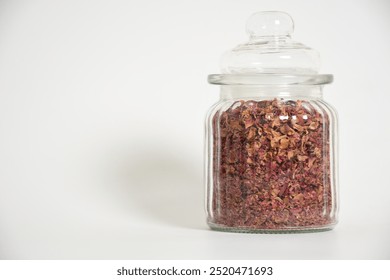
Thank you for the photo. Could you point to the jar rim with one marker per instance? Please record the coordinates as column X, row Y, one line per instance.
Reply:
column 269, row 79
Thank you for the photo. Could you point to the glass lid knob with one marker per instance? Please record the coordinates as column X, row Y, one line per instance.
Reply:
column 264, row 24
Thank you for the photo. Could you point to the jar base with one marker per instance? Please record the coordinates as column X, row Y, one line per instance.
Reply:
column 311, row 229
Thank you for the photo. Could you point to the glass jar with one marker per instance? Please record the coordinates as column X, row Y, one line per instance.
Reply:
column 271, row 146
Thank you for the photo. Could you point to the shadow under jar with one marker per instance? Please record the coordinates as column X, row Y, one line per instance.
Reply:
column 271, row 154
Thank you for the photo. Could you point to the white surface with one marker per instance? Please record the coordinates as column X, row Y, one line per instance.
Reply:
column 101, row 119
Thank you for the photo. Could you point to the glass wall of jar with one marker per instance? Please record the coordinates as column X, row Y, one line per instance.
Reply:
column 271, row 155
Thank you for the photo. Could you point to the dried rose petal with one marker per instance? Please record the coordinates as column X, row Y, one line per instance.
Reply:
column 284, row 143
column 313, row 125
column 302, row 158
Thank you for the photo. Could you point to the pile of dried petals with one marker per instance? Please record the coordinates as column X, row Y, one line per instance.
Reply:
column 271, row 165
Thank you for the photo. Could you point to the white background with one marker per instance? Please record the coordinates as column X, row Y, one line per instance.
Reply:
column 102, row 106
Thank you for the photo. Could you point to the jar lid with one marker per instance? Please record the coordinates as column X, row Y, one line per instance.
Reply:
column 270, row 56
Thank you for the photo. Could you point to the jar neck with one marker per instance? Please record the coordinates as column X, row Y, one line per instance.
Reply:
column 266, row 91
